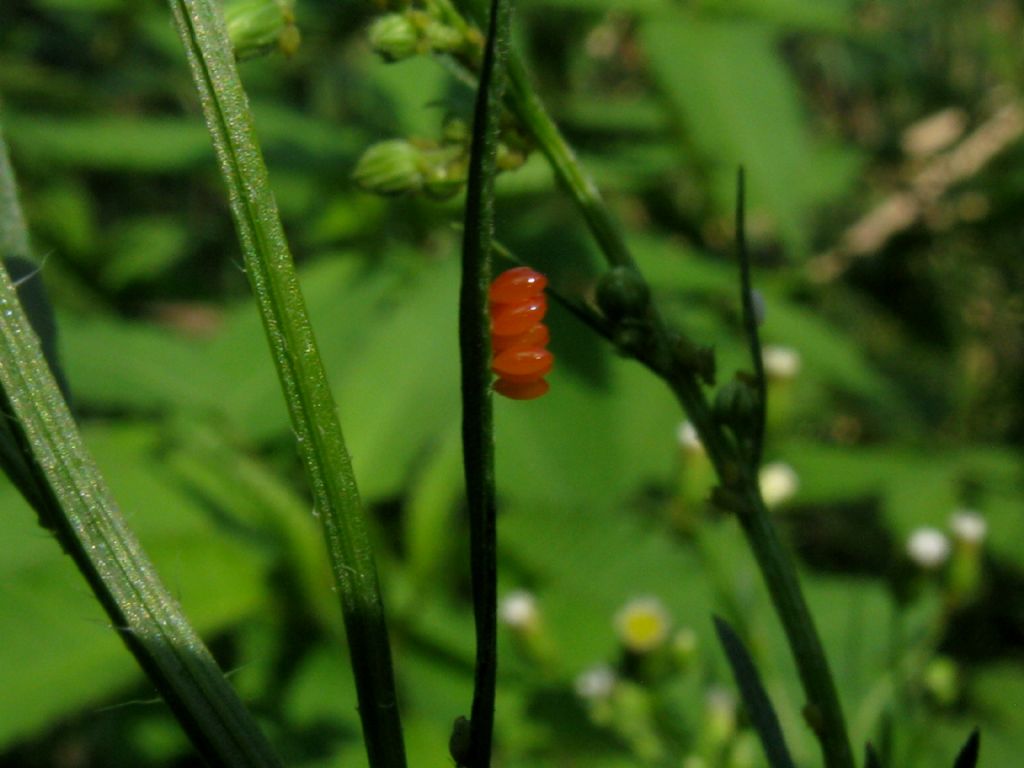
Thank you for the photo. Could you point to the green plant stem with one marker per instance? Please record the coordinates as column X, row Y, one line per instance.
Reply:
column 750, row 322
column 573, row 176
column 824, row 711
column 475, row 351
column 73, row 500
column 303, row 379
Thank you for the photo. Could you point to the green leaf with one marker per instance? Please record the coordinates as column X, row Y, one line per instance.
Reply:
column 755, row 698
column 135, row 144
column 727, row 87
column 968, row 755
column 871, row 758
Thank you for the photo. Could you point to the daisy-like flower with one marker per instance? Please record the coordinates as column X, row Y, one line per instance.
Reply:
column 642, row 624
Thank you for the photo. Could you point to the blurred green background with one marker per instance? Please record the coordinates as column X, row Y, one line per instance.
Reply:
column 886, row 175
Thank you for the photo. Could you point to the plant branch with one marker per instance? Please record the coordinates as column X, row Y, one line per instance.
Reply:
column 300, row 370
column 475, row 349
column 661, row 353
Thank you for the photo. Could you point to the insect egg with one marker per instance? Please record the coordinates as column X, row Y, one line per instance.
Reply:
column 515, row 285
column 518, row 337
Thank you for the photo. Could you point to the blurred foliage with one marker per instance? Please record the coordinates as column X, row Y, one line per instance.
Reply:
column 906, row 404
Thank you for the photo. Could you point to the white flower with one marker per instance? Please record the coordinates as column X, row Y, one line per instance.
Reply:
column 595, row 683
column 968, row 526
column 688, row 438
column 779, row 483
column 928, row 548
column 518, row 610
column 780, row 363
column 642, row 624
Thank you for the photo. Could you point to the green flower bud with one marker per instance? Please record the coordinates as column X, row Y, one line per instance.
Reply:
column 456, row 131
column 736, row 405
column 390, row 168
column 458, row 743
column 622, row 293
column 257, row 27
column 438, row 36
column 509, row 159
column 942, row 680
column 398, row 36
column 445, row 170
column 693, row 357
column 395, row 37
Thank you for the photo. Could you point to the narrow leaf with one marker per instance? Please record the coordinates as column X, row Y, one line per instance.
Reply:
column 303, row 380
column 755, row 698
column 477, row 416
column 73, row 499
column 968, row 756
column 871, row 758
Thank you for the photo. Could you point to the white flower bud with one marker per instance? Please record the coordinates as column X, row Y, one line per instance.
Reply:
column 688, row 439
column 928, row 548
column 780, row 363
column 779, row 483
column 518, row 611
column 968, row 526
column 595, row 683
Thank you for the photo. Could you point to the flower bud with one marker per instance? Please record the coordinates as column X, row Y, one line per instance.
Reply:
column 942, row 680
column 518, row 611
column 596, row 683
column 928, row 548
column 685, row 647
column 394, row 37
column 459, row 741
column 257, row 27
column 390, row 168
column 780, row 363
column 779, row 483
column 438, row 36
column 969, row 527
column 688, row 438
column 622, row 293
column 736, row 405
column 398, row 36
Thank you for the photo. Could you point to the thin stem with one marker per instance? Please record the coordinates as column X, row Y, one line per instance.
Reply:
column 477, row 419
column 300, row 370
column 823, row 710
column 750, row 322
column 572, row 175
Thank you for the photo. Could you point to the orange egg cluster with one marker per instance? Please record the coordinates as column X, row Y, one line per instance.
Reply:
column 518, row 337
